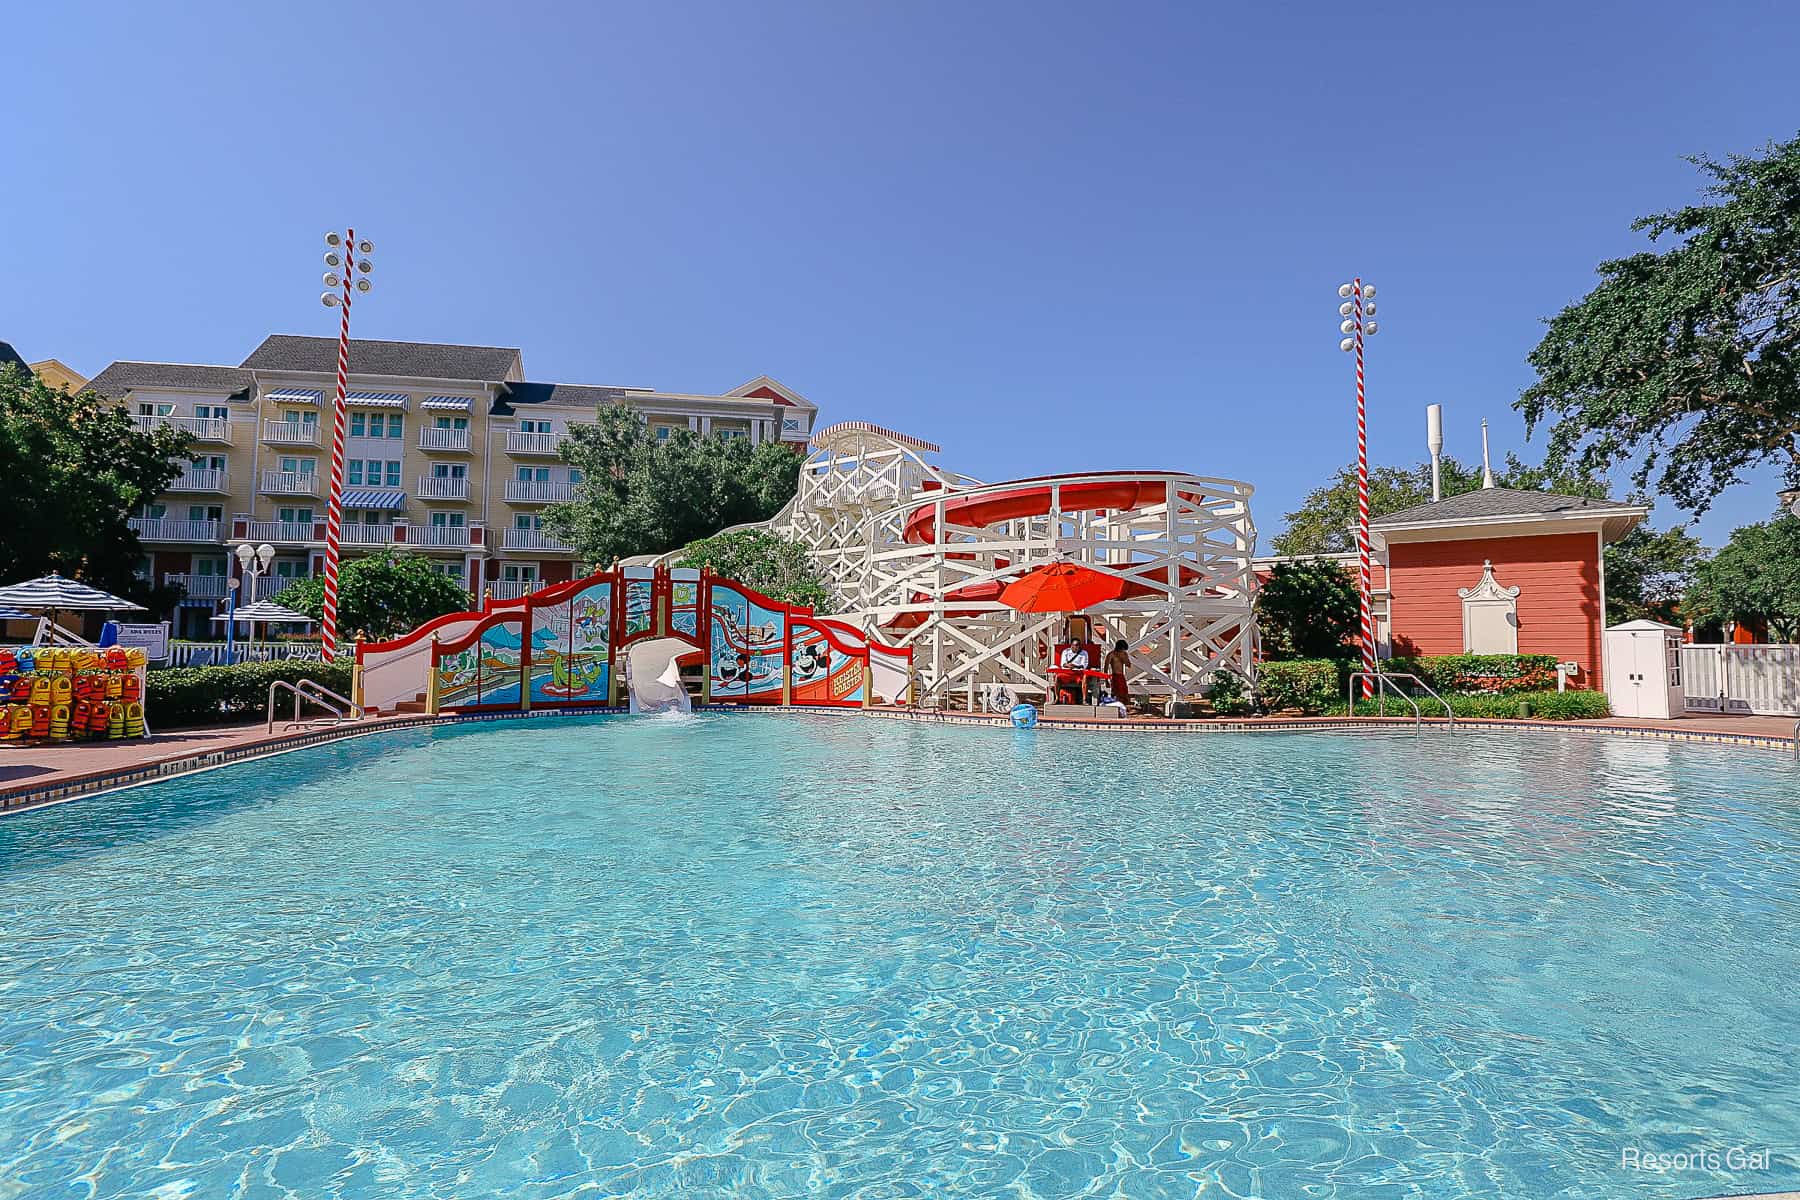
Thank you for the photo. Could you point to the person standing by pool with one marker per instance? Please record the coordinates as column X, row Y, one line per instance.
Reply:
column 1117, row 663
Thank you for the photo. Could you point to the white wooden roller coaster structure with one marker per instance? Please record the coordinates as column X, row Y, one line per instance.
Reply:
column 918, row 555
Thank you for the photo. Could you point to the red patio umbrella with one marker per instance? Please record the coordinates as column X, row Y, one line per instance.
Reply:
column 1060, row 587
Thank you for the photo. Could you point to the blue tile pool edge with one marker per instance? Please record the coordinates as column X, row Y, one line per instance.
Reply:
column 25, row 798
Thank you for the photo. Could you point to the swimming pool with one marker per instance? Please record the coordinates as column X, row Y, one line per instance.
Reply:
column 772, row 955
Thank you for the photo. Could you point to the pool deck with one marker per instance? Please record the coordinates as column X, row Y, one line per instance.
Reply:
column 35, row 774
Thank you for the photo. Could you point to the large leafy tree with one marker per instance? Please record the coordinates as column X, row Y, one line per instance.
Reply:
column 774, row 566
column 1685, row 361
column 381, row 595
column 1308, row 609
column 73, row 468
column 1647, row 570
column 1756, row 575
column 641, row 495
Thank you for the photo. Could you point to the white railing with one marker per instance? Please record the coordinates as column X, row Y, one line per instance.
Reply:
column 365, row 535
column 212, row 654
column 166, row 529
column 267, row 587
column 443, row 487
column 531, row 539
column 1760, row 679
column 512, row 589
column 443, row 439
column 438, row 535
column 197, row 587
column 538, row 491
column 532, row 443
column 291, row 433
column 205, row 429
column 290, row 483
column 279, row 531
column 199, row 479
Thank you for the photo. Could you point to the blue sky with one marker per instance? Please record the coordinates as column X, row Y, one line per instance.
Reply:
column 1050, row 237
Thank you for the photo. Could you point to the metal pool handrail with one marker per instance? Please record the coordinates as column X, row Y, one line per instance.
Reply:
column 1797, row 739
column 1381, row 679
column 340, row 707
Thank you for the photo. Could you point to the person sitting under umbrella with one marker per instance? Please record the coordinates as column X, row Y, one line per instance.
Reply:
column 1074, row 660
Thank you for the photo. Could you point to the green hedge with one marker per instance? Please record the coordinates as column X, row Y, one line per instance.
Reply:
column 1309, row 684
column 1542, row 706
column 1481, row 674
column 240, row 692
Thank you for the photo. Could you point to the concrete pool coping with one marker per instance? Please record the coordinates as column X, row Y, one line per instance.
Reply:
column 59, row 773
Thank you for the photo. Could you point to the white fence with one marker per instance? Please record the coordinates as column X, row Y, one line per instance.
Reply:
column 1742, row 679
column 212, row 654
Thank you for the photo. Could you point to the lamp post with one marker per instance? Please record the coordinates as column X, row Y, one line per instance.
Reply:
column 1358, row 312
column 255, row 563
column 346, row 258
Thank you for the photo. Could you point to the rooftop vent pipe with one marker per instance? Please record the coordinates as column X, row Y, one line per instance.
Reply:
column 1434, row 438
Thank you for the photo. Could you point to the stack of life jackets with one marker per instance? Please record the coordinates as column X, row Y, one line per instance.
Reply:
column 69, row 693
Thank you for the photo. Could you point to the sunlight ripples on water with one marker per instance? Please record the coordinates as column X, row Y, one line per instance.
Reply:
column 759, row 955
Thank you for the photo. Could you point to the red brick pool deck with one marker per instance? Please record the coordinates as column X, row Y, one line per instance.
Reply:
column 35, row 774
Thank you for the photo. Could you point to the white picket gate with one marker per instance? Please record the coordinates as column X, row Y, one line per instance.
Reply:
column 1742, row 679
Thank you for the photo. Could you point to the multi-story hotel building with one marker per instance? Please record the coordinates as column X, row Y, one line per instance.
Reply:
column 451, row 452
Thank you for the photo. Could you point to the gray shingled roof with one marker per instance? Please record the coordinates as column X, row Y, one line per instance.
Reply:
column 555, row 393
column 425, row 360
column 1496, row 502
column 9, row 355
column 121, row 377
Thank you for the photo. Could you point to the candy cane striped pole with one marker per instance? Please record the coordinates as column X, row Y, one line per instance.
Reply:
column 1365, row 607
column 334, row 502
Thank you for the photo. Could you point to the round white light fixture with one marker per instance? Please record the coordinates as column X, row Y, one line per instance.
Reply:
column 365, row 246
column 1346, row 308
column 1372, row 329
column 329, row 299
column 1345, row 289
column 1347, row 327
column 362, row 285
column 1368, row 291
column 331, row 279
column 334, row 239
column 1347, row 344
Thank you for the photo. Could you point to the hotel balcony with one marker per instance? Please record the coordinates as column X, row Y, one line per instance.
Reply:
column 365, row 535
column 164, row 529
column 199, row 479
column 512, row 589
column 197, row 587
column 538, row 491
column 445, row 537
column 533, row 539
column 201, row 429
column 291, row 433
column 532, row 443
column 443, row 487
column 280, row 533
column 455, row 441
column 290, row 483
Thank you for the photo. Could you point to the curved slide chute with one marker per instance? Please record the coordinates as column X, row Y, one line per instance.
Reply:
column 653, row 675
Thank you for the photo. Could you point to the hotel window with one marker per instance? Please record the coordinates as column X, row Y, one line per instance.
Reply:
column 530, row 522
column 449, row 471
column 519, row 572
column 155, row 410
column 358, row 426
column 153, row 512
column 294, row 516
column 208, row 566
column 208, row 462
column 371, row 516
column 288, row 568
column 726, row 435
column 447, row 520
column 533, row 475
column 295, row 416
column 664, row 432
column 450, row 423
column 353, row 470
column 299, row 466
column 216, row 412
column 453, row 569
column 205, row 512
column 575, row 475
column 529, row 426
column 396, row 425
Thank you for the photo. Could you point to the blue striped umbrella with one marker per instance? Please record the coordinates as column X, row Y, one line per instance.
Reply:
column 58, row 593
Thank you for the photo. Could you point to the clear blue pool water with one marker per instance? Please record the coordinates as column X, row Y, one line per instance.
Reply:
column 764, row 955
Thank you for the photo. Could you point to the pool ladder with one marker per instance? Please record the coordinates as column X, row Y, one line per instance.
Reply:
column 341, row 708
column 1382, row 685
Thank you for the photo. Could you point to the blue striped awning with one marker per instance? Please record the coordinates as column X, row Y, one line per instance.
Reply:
column 297, row 395
column 373, row 498
column 376, row 399
column 459, row 403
